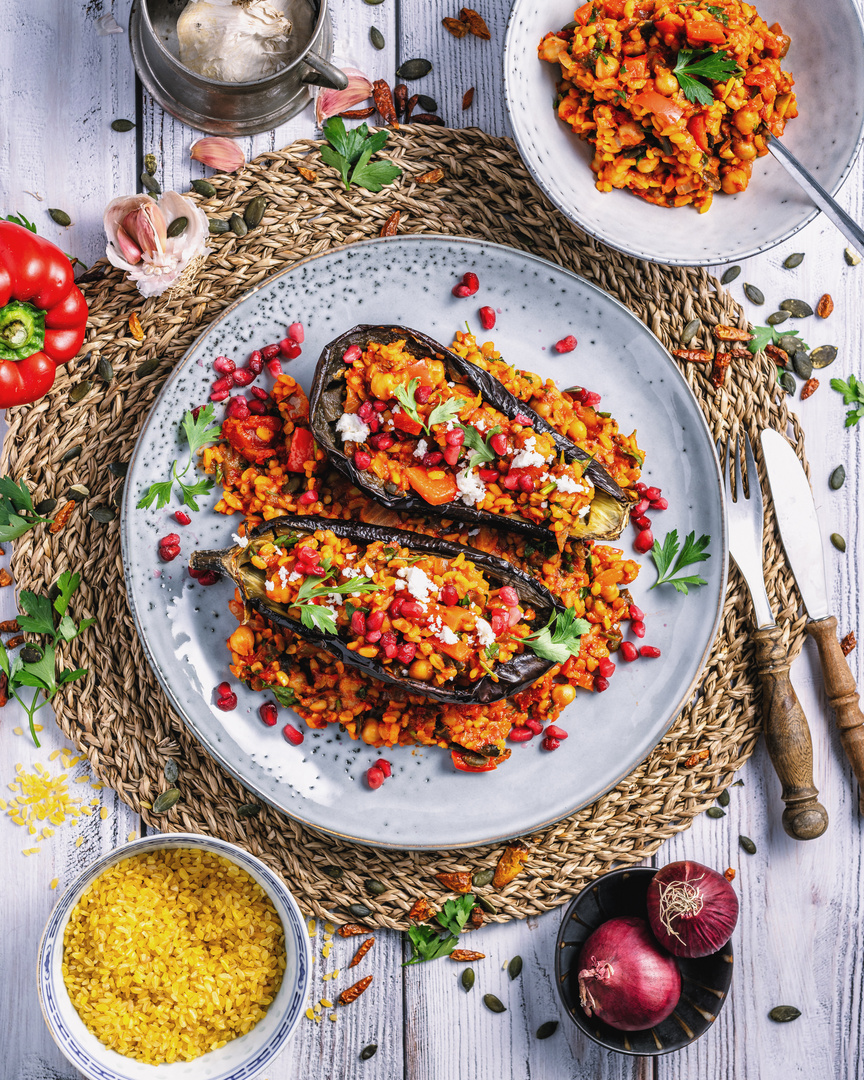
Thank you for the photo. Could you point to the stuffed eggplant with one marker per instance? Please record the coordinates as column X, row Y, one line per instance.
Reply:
column 440, row 620
column 417, row 426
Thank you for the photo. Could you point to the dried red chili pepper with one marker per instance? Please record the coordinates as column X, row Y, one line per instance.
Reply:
column 135, row 327
column 696, row 759
column 358, row 114
column 468, row 98
column 352, row 930
column 431, row 177
column 693, row 356
column 729, row 873
column 429, row 119
column 382, row 95
column 731, row 333
column 391, row 225
column 848, row 643
column 476, row 918
column 309, row 174
column 421, row 910
column 719, row 368
column 4, row 689
column 825, row 306
column 411, row 106
column 475, row 23
column 456, row 27
column 778, row 355
column 5, row 578
column 457, row 882
column 400, row 97
column 62, row 518
column 14, row 642
column 9, row 626
column 353, row 992
column 361, row 952
column 466, row 956
column 809, row 388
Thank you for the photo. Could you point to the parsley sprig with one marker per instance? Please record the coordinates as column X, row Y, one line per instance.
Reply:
column 42, row 673
column 853, row 394
column 198, row 434
column 350, row 152
column 770, row 335
column 430, row 942
column 695, row 64
column 407, row 398
column 668, row 565
column 475, row 441
column 560, row 638
column 315, row 616
column 17, row 515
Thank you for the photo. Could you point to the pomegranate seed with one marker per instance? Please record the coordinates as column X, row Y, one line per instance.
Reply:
column 374, row 423
column 498, row 624
column 389, row 644
column 435, row 457
column 238, row 408
column 455, row 437
column 407, row 652
column 375, row 620
column 275, row 368
column 374, row 777
column 628, row 651
column 650, row 652
column 422, row 394
column 590, row 398
column 219, row 395
column 509, row 596
column 461, row 291
column 380, row 406
column 254, row 356
column 411, row 609
column 296, row 332
column 653, row 493
column 373, row 637
column 637, row 613
column 358, row 623
column 289, row 348
column 227, row 703
column 566, row 344
column 499, row 443
column 488, row 476
column 182, row 518
column 366, row 412
column 268, row 352
column 293, row 736
column 449, row 597
column 535, row 726
column 268, row 714
column 660, row 504
column 606, row 668
column 641, row 489
column 385, row 441
column 223, row 688
column 638, row 628
column 193, row 573
column 451, row 454
column 307, row 498
column 308, row 554
column 223, row 365
column 555, row 732
column 520, row 734
column 395, row 609
column 362, row 460
column 225, row 383
column 209, row 577
column 640, row 508
column 384, row 765
column 510, row 481
column 552, row 744
column 600, row 684
column 351, row 354
column 487, row 318
column 644, row 541
column 168, row 552
column 471, row 280
column 170, row 540
column 256, row 407
column 522, row 419
column 259, row 392
column 642, row 522
column 256, row 363
column 526, row 483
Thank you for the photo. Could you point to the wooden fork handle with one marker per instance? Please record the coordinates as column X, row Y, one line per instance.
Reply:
column 788, row 738
column 843, row 694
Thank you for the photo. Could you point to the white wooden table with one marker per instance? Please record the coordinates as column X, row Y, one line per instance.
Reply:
column 800, row 937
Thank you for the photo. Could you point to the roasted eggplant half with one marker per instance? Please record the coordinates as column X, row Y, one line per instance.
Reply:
column 373, row 596
column 410, row 394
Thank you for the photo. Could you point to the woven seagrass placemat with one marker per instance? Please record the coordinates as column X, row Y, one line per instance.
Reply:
column 119, row 716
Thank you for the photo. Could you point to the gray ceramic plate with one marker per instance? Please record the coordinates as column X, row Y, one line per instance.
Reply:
column 427, row 804
column 827, row 53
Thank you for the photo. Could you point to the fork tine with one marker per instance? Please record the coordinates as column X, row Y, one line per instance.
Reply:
column 753, row 477
column 739, row 480
column 725, row 462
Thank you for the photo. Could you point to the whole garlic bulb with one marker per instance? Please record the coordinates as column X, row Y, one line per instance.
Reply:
column 234, row 40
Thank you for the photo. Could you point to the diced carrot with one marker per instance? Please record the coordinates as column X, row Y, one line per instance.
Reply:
column 583, row 15
column 635, row 67
column 435, row 492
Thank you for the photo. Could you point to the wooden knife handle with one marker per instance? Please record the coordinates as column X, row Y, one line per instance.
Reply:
column 840, row 684
column 788, row 738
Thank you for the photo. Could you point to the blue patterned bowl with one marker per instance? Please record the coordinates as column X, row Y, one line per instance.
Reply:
column 245, row 1056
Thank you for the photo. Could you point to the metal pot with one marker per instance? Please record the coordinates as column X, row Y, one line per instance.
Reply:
column 223, row 108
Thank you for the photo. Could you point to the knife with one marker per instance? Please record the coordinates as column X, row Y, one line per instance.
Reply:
column 799, row 530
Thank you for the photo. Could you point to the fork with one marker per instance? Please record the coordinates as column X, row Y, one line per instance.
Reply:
column 787, row 734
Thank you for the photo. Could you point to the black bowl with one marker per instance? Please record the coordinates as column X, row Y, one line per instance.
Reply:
column 704, row 982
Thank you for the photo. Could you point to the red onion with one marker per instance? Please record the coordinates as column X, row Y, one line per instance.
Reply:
column 625, row 978
column 692, row 909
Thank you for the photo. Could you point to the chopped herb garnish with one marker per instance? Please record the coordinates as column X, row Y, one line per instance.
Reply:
column 693, row 65
column 474, row 441
column 317, row 617
column 668, row 565
column 430, row 943
column 283, row 694
column 719, row 13
column 559, row 639
column 405, row 396
column 198, row 434
column 853, row 394
column 20, row 219
column 770, row 335
column 445, row 411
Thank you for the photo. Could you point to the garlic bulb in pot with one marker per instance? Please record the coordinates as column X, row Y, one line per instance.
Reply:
column 234, row 40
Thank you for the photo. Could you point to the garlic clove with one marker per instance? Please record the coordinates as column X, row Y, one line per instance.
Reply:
column 128, row 248
column 221, row 154
column 330, row 102
column 149, row 228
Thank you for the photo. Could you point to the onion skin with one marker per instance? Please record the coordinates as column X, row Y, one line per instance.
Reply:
column 704, row 909
column 625, row 978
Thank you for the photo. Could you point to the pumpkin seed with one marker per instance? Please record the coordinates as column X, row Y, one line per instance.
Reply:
column 376, row 888
column 715, row 812
column 486, row 904
column 784, row 1013
column 166, row 800
column 372, row 1049
column 690, row 331
column 150, row 183
column 217, row 227
column 547, row 1029
column 237, row 225
column 359, row 911
column 426, row 103
column 78, row 492
column 334, row 872
column 570, row 25
column 81, row 390
column 148, row 367
column 118, row 494
column 104, row 369
column 754, row 295
column 373, row 3
column 482, row 877
column 102, row 514
column 376, row 37
column 254, row 211
column 467, row 979
column 514, row 968
column 802, row 365
column 249, row 809
column 118, row 468
column 838, row 541
column 730, row 275
column 493, row 1004
column 150, row 164
column 823, row 356
column 72, row 452
column 852, row 257
column 836, row 481
column 747, row 844
column 414, row 69
column 791, row 343
column 122, row 125
column 45, row 507
column 60, row 216
column 723, row 798
column 204, row 187
column 777, row 317
column 793, row 260
column 171, row 770
column 798, row 309
column 177, row 226
column 787, row 381
column 31, row 654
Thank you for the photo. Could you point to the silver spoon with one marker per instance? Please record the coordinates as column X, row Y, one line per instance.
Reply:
column 832, row 210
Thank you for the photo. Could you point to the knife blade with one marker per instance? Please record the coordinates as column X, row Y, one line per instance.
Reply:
column 797, row 521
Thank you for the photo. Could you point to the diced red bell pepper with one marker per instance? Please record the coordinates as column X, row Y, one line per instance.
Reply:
column 614, row 9
column 435, row 491
column 244, row 436
column 671, row 24
column 462, row 765
column 583, row 15
column 635, row 67
column 696, row 127
column 302, row 449
column 705, row 32
column 662, row 107
column 403, row 422
column 459, row 650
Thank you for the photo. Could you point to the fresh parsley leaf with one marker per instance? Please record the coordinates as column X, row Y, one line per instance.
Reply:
column 20, row 219
column 17, row 515
column 315, row 617
column 405, row 396
column 668, row 565
column 158, row 493
column 447, row 410
column 769, row 335
column 350, row 152
column 70, row 675
column 853, row 394
column 695, row 64
column 284, row 695
column 456, row 913
column 475, row 441
column 67, row 583
column 40, row 617
column 190, row 491
column 198, row 434
column 314, row 587
column 430, row 943
column 719, row 13
column 337, row 161
column 559, row 639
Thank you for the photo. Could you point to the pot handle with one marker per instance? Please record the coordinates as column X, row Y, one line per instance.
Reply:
column 325, row 73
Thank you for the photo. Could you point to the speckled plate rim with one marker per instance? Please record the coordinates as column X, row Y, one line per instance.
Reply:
column 638, row 252
column 237, row 771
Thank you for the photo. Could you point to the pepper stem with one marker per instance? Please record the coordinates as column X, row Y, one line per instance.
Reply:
column 22, row 330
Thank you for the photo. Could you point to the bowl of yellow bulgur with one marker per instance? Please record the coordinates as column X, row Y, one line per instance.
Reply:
column 176, row 956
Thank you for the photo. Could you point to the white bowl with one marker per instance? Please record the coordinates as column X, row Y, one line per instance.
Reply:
column 826, row 59
column 239, row 1059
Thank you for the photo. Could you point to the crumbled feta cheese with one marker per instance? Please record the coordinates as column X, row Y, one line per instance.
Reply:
column 293, row 576
column 283, row 577
column 528, row 456
column 352, row 428
column 568, row 484
column 422, row 449
column 240, row 540
column 335, row 599
column 397, row 585
column 474, row 532
column 584, row 512
column 269, row 585
column 471, row 487
column 350, row 571
column 368, row 571
column 544, row 504
column 447, row 636
column 485, row 633
column 419, row 584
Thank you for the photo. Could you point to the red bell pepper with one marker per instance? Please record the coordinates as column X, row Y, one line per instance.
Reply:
column 705, row 32
column 43, row 315
column 462, row 765
column 583, row 15
column 403, row 422
column 663, row 107
column 301, row 450
column 436, row 490
column 252, row 437
column 696, row 127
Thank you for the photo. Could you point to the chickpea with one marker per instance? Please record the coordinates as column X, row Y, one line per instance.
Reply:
column 746, row 120
column 734, row 180
column 577, row 430
column 607, row 67
column 743, row 149
column 421, row 669
column 242, row 641
column 665, row 82
column 369, row 734
column 563, row 694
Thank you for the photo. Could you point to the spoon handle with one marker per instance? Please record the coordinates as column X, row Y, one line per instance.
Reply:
column 832, row 210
